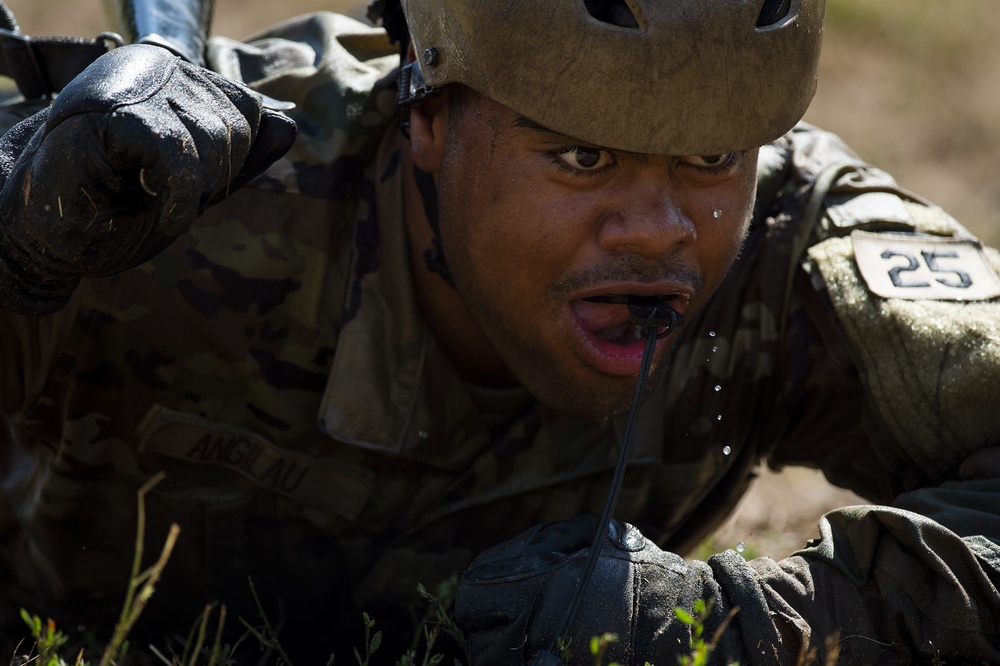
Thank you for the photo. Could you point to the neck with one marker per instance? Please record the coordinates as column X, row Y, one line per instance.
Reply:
column 463, row 341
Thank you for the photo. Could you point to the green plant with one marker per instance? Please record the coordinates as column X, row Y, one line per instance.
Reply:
column 599, row 645
column 436, row 621
column 48, row 640
column 372, row 641
column 701, row 649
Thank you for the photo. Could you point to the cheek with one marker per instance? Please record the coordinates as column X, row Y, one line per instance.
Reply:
column 480, row 230
column 509, row 231
column 720, row 238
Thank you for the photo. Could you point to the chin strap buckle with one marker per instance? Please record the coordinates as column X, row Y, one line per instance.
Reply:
column 412, row 90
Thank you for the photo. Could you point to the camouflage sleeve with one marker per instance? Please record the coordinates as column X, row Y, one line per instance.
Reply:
column 895, row 334
column 29, row 348
column 918, row 314
column 898, row 306
column 887, row 585
column 339, row 74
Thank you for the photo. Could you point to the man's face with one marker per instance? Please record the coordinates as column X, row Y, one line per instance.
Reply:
column 534, row 223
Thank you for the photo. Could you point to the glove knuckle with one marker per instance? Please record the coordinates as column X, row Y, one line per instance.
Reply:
column 122, row 77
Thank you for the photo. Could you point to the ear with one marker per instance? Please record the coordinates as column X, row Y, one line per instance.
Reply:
column 429, row 132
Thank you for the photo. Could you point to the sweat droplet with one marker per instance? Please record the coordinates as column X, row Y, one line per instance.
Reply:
column 717, row 213
column 715, row 349
column 740, row 547
column 719, row 417
column 726, row 450
column 717, row 388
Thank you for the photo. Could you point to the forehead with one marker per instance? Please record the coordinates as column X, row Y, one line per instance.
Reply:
column 520, row 122
column 498, row 118
column 476, row 113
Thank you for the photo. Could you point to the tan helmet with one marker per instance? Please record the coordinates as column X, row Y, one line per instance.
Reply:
column 677, row 77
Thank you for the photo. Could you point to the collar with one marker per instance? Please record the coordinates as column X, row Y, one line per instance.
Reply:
column 379, row 393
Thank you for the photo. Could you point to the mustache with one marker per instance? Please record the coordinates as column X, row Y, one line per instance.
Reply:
column 631, row 268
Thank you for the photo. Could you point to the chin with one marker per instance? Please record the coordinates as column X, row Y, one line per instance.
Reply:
column 594, row 403
column 605, row 398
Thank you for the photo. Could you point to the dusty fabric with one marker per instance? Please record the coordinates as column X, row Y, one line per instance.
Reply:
column 878, row 578
column 929, row 364
column 274, row 364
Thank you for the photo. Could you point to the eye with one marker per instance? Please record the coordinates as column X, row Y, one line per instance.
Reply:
column 581, row 158
column 712, row 163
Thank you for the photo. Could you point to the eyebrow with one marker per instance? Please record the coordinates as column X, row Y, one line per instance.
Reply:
column 528, row 123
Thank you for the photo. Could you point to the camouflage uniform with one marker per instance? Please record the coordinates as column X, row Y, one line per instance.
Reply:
column 315, row 438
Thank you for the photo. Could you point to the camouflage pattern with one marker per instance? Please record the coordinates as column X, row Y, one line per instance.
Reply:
column 315, row 438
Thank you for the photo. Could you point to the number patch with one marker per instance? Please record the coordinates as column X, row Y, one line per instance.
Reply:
column 924, row 267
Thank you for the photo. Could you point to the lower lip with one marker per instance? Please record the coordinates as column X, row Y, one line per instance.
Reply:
column 609, row 357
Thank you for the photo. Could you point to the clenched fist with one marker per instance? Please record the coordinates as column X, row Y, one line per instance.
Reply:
column 118, row 166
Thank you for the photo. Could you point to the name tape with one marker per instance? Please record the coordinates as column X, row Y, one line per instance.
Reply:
column 260, row 461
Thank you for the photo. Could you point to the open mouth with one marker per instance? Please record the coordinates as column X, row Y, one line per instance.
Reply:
column 611, row 325
column 623, row 318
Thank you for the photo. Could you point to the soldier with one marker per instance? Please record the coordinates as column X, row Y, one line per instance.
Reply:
column 419, row 333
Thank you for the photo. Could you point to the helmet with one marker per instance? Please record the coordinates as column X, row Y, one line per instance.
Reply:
column 679, row 77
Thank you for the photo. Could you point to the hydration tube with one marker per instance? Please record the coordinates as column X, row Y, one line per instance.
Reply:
column 649, row 313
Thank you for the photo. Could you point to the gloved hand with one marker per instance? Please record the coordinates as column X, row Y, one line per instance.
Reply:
column 124, row 160
column 513, row 598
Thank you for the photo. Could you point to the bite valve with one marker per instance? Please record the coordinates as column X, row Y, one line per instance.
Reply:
column 649, row 313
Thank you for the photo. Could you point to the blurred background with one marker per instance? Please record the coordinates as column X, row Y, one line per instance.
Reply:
column 912, row 85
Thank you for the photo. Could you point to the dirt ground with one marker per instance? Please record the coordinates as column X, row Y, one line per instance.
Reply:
column 912, row 85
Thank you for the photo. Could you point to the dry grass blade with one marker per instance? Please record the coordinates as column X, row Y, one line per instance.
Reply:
column 141, row 585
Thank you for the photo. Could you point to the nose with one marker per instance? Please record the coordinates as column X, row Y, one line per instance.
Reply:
column 647, row 220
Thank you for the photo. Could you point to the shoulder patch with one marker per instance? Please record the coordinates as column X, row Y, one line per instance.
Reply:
column 918, row 267
column 929, row 365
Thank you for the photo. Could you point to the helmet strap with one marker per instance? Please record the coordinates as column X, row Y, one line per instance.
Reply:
column 434, row 257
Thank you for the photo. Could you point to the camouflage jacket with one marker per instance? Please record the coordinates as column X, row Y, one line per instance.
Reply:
column 315, row 439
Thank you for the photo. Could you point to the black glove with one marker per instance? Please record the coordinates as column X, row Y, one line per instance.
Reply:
column 513, row 598
column 128, row 155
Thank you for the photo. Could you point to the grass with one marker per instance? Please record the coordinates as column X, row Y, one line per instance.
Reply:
column 204, row 647
column 142, row 584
